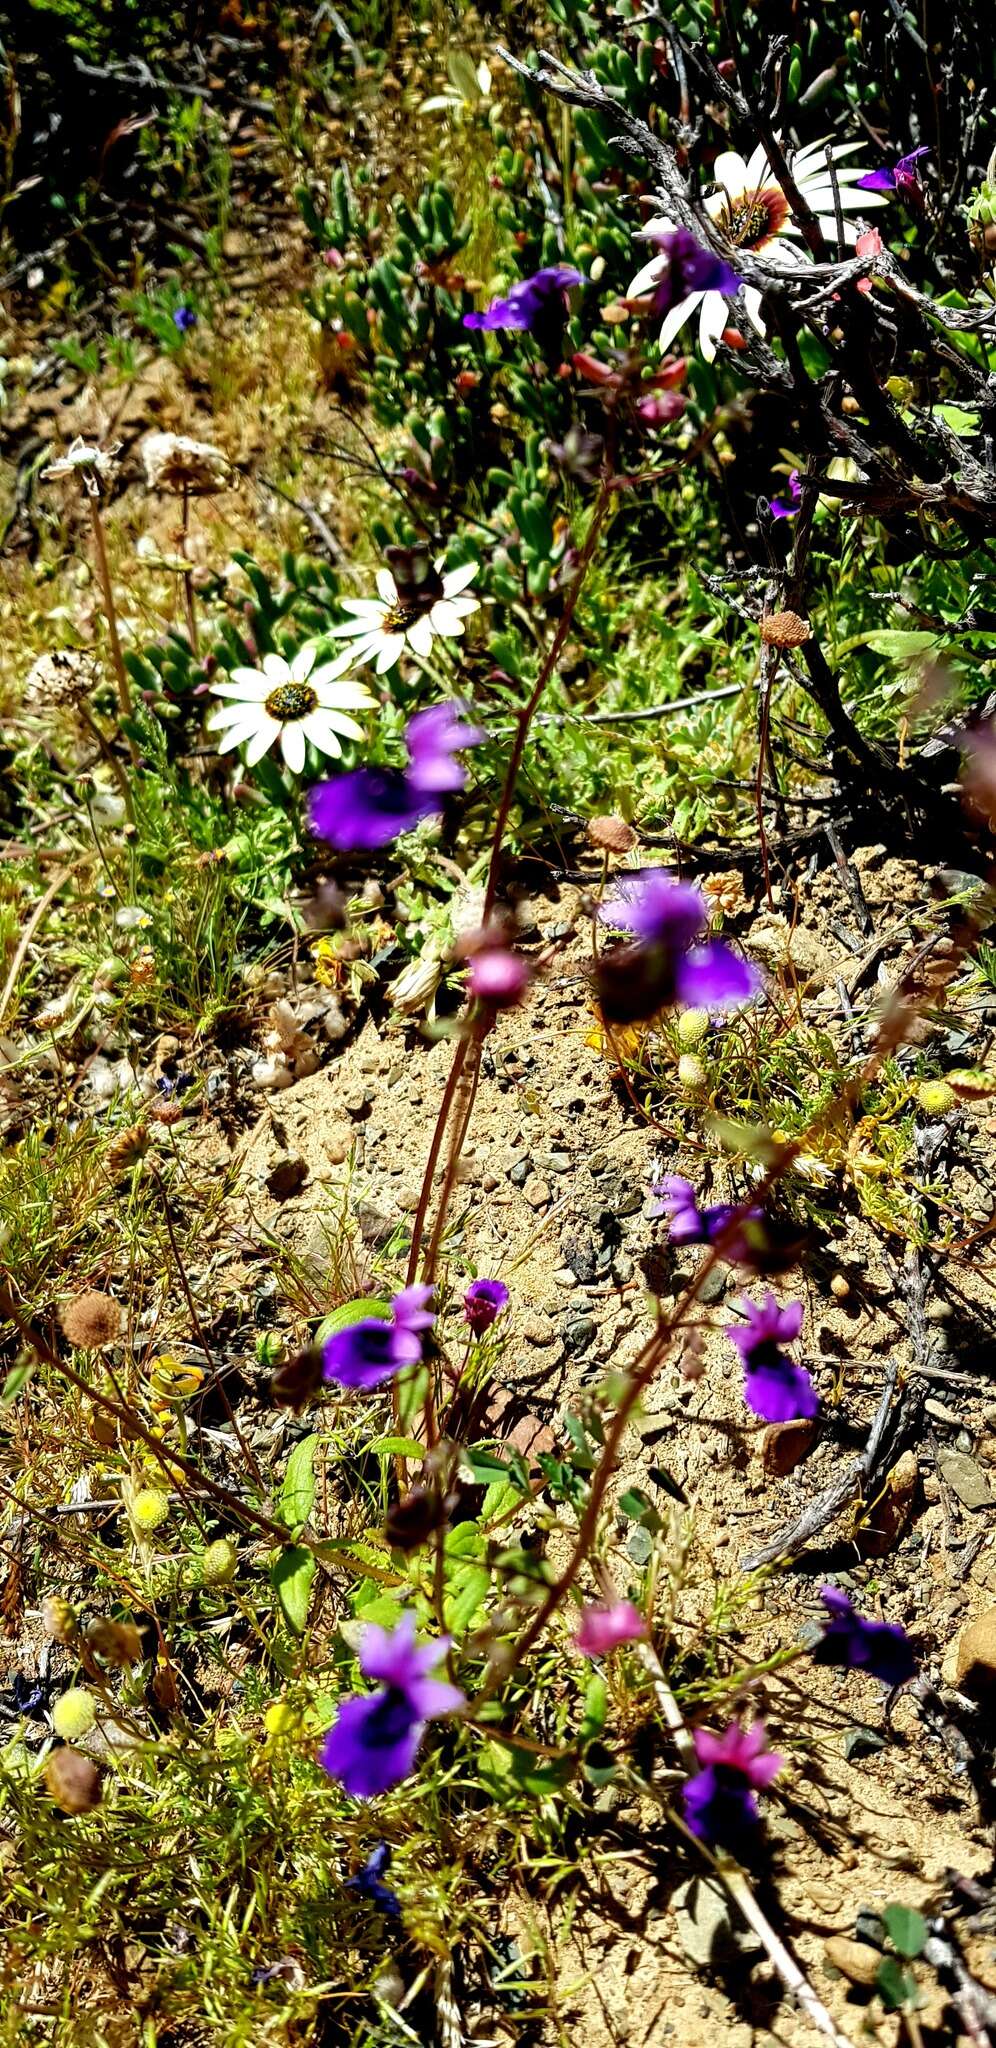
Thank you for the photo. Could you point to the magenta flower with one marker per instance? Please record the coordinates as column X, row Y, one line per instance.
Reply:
column 690, row 268
column 720, row 1801
column 774, row 1386
column 606, row 1624
column 498, row 976
column 665, row 965
column 786, row 508
column 659, row 408
column 483, row 1303
column 902, row 177
column 371, row 806
column 530, row 300
column 688, row 1224
column 374, row 1740
column 881, row 1647
column 372, row 1350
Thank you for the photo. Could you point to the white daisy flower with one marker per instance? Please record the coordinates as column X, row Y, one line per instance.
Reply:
column 290, row 701
column 382, row 626
column 751, row 210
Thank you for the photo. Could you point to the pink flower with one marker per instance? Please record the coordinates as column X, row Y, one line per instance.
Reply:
column 603, row 1626
column 868, row 244
column 498, row 976
column 720, row 1800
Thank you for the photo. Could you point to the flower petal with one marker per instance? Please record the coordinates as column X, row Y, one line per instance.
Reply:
column 292, row 746
column 712, row 321
column 236, row 736
column 252, row 688
column 678, row 316
column 730, row 171
column 419, row 636
column 321, row 732
column 391, row 645
column 456, row 580
column 303, row 662
column 444, row 618
column 276, row 668
column 261, row 741
column 386, row 585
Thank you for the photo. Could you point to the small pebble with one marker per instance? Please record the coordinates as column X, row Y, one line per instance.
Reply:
column 854, row 1959
column 538, row 1330
column 536, row 1192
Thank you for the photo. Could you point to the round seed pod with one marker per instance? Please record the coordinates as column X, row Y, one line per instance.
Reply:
column 59, row 1620
column 611, row 834
column 72, row 1781
column 74, row 1713
column 785, row 629
column 935, row 1097
column 691, row 1072
column 692, row 1027
column 220, row 1560
column 149, row 1508
column 90, row 1320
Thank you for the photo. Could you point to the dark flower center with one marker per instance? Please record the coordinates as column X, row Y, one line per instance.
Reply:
column 389, row 1720
column 766, row 1357
column 754, row 218
column 291, row 700
column 400, row 616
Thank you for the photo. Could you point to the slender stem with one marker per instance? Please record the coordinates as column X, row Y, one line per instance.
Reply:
column 188, row 587
column 442, row 1118
column 201, row 1338
column 124, row 787
column 110, row 613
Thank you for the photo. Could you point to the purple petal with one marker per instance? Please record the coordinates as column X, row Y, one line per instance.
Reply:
column 411, row 1310
column 877, row 181
column 372, row 1744
column 778, row 1390
column 366, row 809
column 661, row 911
column 713, row 977
column 368, row 1352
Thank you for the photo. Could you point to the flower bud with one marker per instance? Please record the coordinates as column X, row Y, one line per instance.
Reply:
column 72, row 1781
column 74, row 1713
column 691, row 1073
column 149, row 1509
column 220, row 1560
column 59, row 1620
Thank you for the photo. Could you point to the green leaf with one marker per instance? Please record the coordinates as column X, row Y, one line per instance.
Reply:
column 291, row 1576
column 906, row 1929
column 297, row 1494
column 396, row 1447
column 467, row 1593
column 899, row 645
column 894, row 1985
column 352, row 1312
column 15, row 1382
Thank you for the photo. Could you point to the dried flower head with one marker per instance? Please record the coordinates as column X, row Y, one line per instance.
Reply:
column 193, row 469
column 611, row 834
column 65, row 676
column 784, row 629
column 72, row 1781
column 117, row 1642
column 94, row 466
column 129, row 1149
column 59, row 1620
column 90, row 1320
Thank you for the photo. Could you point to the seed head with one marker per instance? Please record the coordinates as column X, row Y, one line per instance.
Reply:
column 281, row 1720
column 59, row 1620
column 692, row 1027
column 90, row 1320
column 691, row 1072
column 149, row 1508
column 219, row 1562
column 611, row 834
column 74, row 1713
column 785, row 629
column 118, row 1642
column 72, row 1781
column 129, row 1147
column 936, row 1097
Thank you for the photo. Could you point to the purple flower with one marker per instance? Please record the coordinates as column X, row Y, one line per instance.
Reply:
column 690, row 268
column 904, row 177
column 659, row 408
column 483, row 1304
column 529, row 300
column 367, row 1882
column 688, row 1224
column 371, row 806
column 432, row 738
column 786, row 508
column 372, row 1350
column 373, row 1741
column 880, row 1647
column 498, row 976
column 606, row 1624
column 665, row 965
column 721, row 1800
column 774, row 1386
column 184, row 319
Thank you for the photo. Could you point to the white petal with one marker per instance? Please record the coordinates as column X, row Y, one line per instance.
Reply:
column 321, row 733
column 716, row 205
column 678, row 316
column 236, row 736
column 364, row 607
column 446, row 619
column 350, row 696
column 261, row 740
column 651, row 274
column 292, row 746
column 456, row 580
column 276, row 668
column 757, row 167
column 752, row 302
column 339, row 721
column 390, row 652
column 386, row 585
column 245, row 693
column 658, row 225
column 251, row 678
column 712, row 320
column 303, row 662
column 354, row 629
column 463, row 606
column 730, row 171
column 235, row 714
column 419, row 636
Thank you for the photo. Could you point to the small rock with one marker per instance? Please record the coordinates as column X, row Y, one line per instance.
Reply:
column 966, row 1479
column 639, row 1546
column 408, row 1200
column 565, row 1278
column 713, row 1286
column 975, row 1659
column 357, row 1102
column 861, row 1741
column 375, row 1227
column 785, row 1444
column 518, row 1172
column 286, row 1176
column 338, row 1145
column 704, row 1926
column 580, row 1334
column 629, row 1201
column 536, row 1192
column 538, row 1330
column 854, row 1959
column 598, row 1162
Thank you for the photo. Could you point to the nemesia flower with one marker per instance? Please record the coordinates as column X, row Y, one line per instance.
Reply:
column 372, row 1350
column 786, row 508
column 367, row 1882
column 184, row 319
column 291, row 702
column 774, row 1386
column 685, row 266
column 658, row 409
column 606, row 1624
column 665, row 965
column 903, row 176
column 431, row 605
column 881, row 1647
column 528, row 301
column 374, row 1740
column 688, row 1224
column 720, row 1801
column 750, row 211
column 483, row 1303
column 371, row 806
